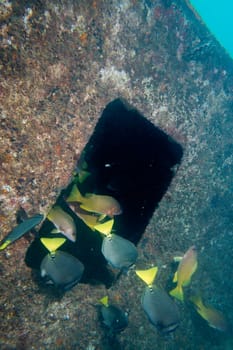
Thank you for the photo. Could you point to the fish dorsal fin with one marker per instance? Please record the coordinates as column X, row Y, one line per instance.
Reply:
column 175, row 278
column 52, row 244
column 104, row 301
column 105, row 228
column 148, row 275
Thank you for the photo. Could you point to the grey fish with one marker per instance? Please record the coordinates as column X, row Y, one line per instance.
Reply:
column 112, row 317
column 63, row 269
column 118, row 251
column 160, row 309
column 21, row 229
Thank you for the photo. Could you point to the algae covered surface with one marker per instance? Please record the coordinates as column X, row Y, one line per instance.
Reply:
column 60, row 64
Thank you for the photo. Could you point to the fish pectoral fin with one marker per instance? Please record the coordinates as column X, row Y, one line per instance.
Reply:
column 177, row 293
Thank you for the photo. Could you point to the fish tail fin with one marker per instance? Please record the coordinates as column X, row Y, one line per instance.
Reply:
column 177, row 293
column 52, row 244
column 4, row 245
column 148, row 275
column 104, row 301
column 105, row 228
column 75, row 195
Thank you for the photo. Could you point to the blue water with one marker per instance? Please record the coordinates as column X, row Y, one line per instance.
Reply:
column 217, row 15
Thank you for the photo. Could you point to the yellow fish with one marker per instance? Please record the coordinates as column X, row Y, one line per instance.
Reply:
column 214, row 317
column 186, row 269
column 63, row 222
column 95, row 203
column 90, row 219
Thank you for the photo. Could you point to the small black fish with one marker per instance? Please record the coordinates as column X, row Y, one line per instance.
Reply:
column 112, row 317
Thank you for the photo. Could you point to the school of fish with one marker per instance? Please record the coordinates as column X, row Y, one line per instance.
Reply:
column 64, row 270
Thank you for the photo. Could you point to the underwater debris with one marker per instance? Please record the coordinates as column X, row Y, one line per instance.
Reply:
column 186, row 269
column 160, row 309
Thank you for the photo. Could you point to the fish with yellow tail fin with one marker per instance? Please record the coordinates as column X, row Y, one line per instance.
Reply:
column 95, row 203
column 58, row 267
column 21, row 229
column 118, row 251
column 160, row 309
column 112, row 317
column 214, row 318
column 61, row 269
column 63, row 222
column 90, row 219
column 186, row 269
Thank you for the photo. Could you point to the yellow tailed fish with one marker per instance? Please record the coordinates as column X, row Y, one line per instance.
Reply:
column 112, row 317
column 118, row 251
column 214, row 317
column 90, row 220
column 160, row 309
column 63, row 222
column 95, row 203
column 62, row 269
column 186, row 269
column 21, row 229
